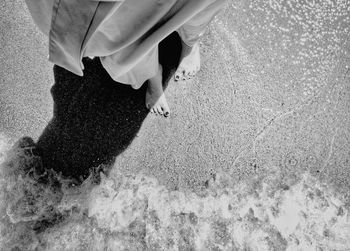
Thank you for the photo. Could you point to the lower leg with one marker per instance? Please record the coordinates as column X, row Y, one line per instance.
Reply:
column 190, row 62
column 190, row 34
column 155, row 97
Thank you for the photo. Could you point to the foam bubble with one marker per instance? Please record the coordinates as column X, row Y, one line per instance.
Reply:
column 137, row 213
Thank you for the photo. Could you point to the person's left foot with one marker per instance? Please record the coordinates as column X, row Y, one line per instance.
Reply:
column 155, row 97
column 189, row 62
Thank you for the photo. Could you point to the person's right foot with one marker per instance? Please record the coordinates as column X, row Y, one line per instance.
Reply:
column 190, row 62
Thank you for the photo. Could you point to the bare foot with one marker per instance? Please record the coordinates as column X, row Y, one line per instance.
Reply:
column 190, row 62
column 155, row 98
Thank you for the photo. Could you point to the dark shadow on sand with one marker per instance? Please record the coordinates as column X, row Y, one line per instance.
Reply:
column 96, row 118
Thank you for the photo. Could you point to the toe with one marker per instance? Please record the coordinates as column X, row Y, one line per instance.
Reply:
column 166, row 111
column 177, row 76
column 155, row 111
column 190, row 75
column 160, row 110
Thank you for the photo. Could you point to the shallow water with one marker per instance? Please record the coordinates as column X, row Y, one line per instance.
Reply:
column 135, row 212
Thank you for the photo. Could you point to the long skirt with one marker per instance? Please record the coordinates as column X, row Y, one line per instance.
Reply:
column 123, row 34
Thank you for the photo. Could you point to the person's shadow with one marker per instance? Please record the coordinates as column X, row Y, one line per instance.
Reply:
column 96, row 118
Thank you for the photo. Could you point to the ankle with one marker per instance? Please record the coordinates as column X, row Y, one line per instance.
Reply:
column 187, row 49
column 156, row 81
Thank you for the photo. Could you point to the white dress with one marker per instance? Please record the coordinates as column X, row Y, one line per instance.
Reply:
column 125, row 34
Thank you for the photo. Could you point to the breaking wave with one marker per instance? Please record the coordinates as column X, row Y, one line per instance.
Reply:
column 43, row 211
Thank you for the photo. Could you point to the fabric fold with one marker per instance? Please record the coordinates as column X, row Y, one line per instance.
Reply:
column 123, row 33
